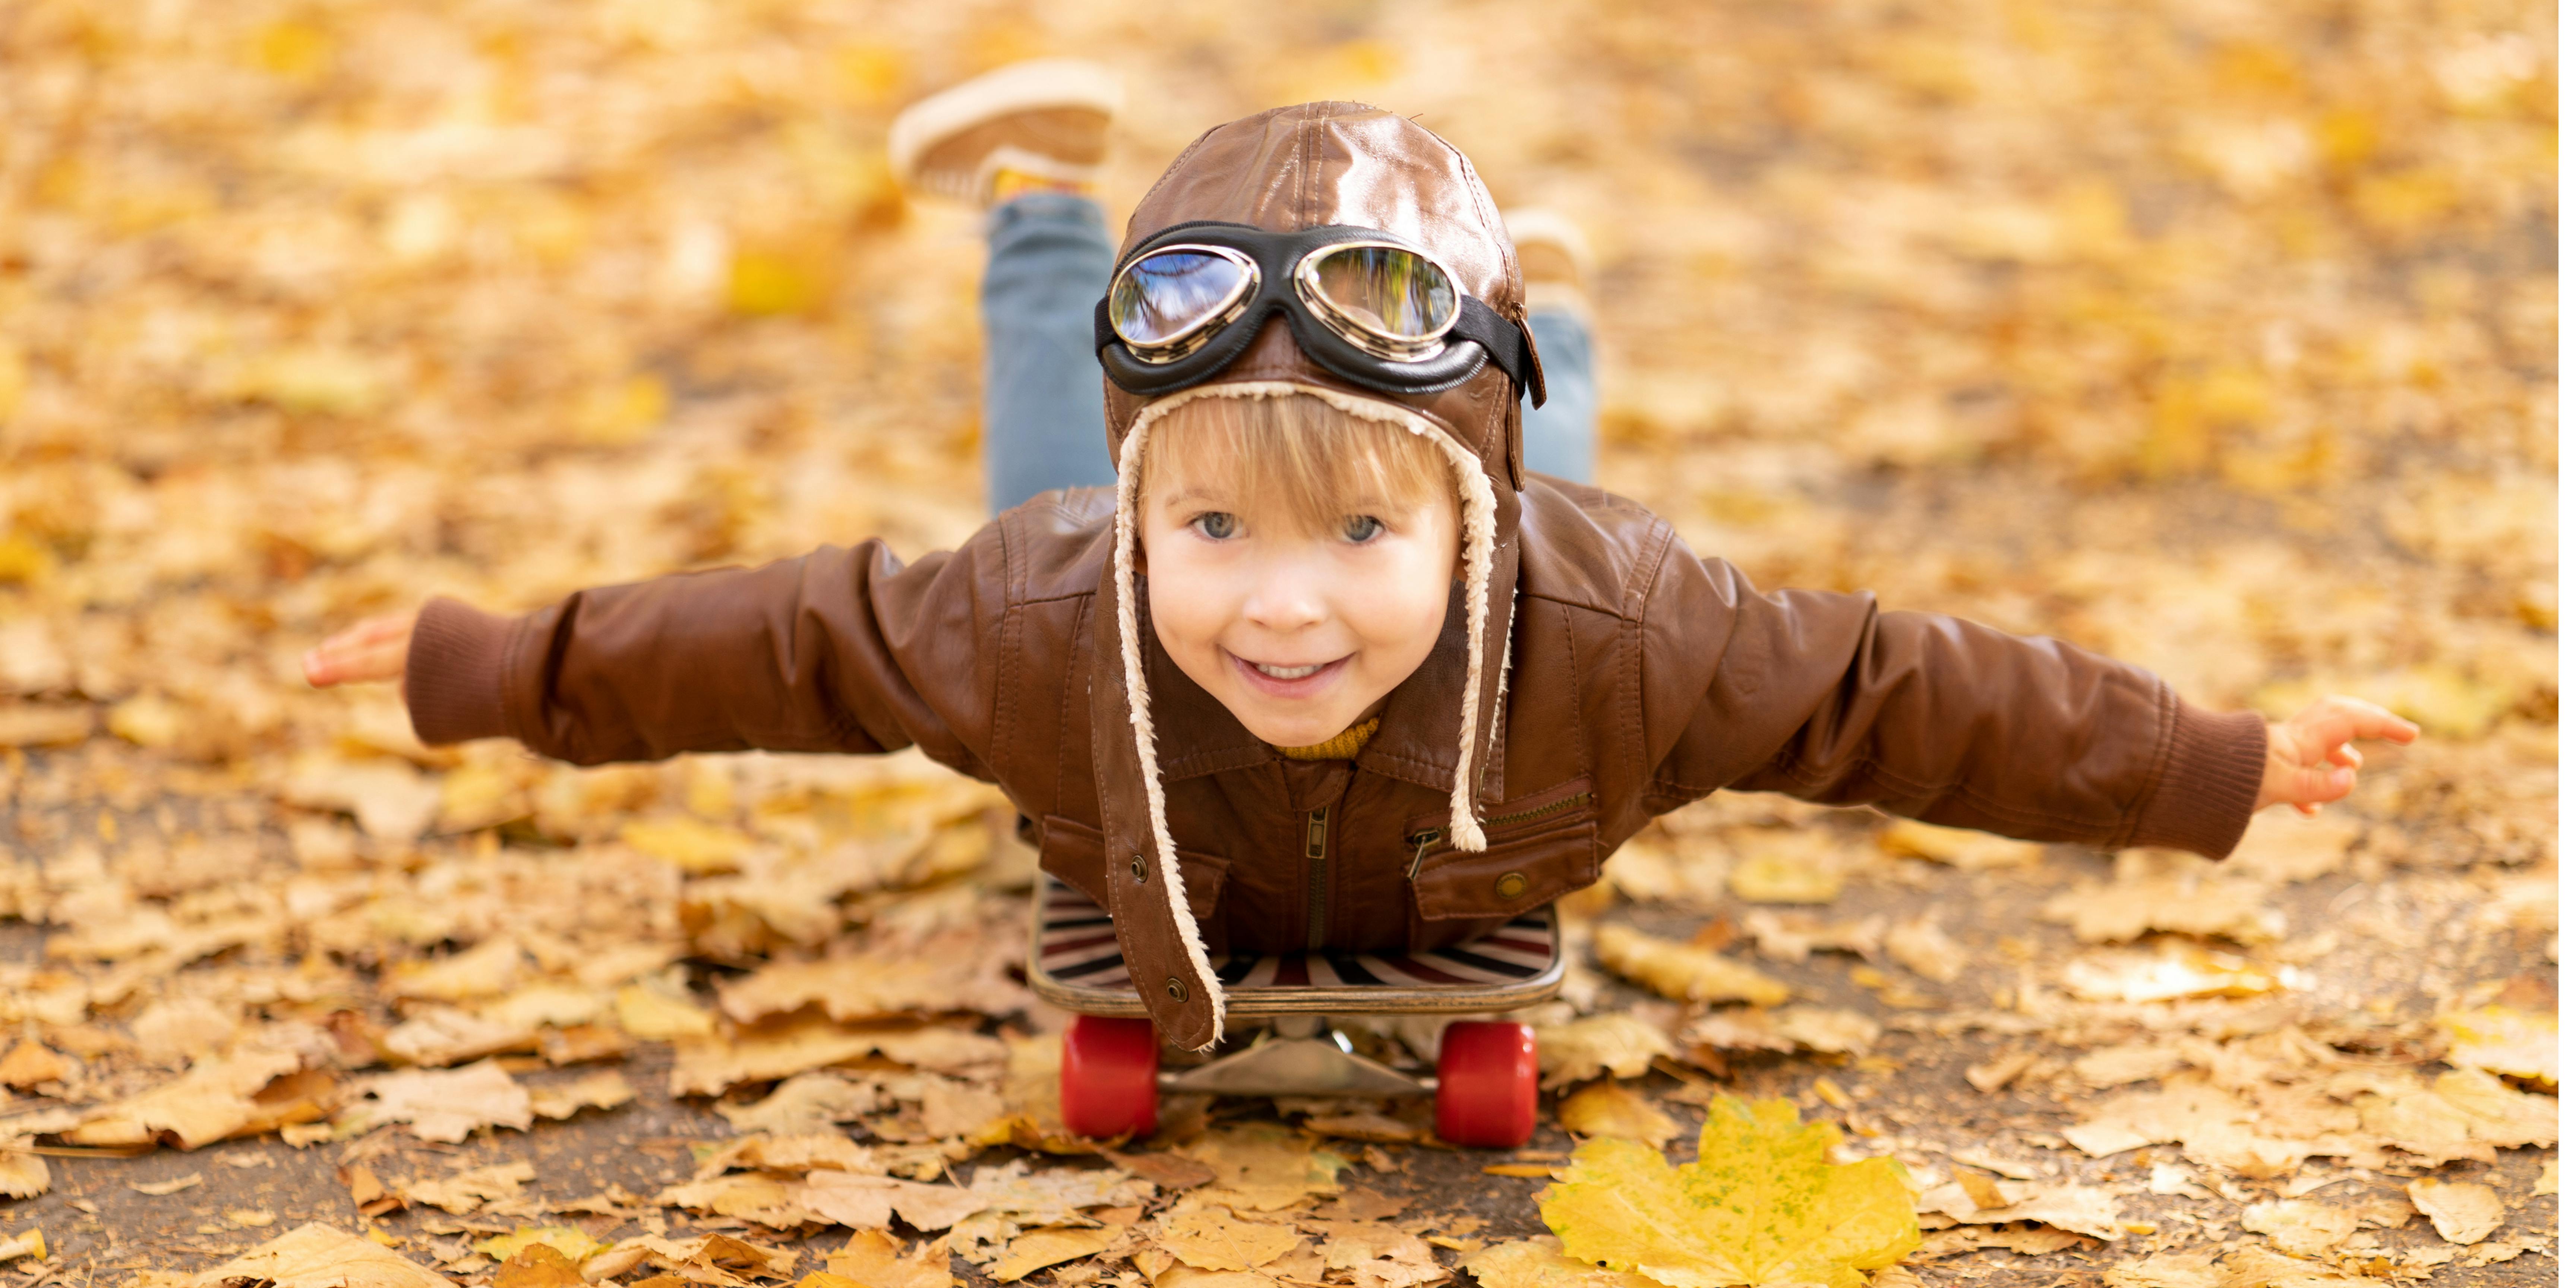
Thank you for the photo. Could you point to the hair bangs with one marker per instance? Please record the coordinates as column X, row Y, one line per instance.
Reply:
column 1313, row 461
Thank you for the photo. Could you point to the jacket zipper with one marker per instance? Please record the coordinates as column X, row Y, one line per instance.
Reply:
column 1318, row 877
column 1423, row 840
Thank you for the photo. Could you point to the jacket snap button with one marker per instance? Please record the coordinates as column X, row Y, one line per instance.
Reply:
column 1180, row 992
column 1510, row 885
column 1136, row 864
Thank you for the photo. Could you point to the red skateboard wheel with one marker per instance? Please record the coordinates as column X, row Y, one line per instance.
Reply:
column 1488, row 1092
column 1107, row 1081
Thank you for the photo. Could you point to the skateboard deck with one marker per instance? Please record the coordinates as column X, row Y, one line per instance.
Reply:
column 1074, row 963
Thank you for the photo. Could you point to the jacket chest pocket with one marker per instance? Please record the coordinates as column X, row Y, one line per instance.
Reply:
column 1074, row 853
column 1537, row 848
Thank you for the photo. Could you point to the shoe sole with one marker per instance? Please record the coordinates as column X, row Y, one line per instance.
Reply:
column 1021, row 87
column 1540, row 226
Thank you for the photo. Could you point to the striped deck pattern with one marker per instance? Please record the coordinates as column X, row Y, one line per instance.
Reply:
column 1077, row 947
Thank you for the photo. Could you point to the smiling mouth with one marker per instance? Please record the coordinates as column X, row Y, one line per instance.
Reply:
column 1288, row 681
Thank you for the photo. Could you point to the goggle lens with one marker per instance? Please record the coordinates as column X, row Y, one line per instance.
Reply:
column 1388, row 290
column 1163, row 298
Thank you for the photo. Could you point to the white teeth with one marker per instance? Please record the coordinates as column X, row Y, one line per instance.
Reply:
column 1287, row 672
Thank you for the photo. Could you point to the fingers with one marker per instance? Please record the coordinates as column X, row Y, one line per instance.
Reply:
column 371, row 650
column 2312, row 787
column 2341, row 718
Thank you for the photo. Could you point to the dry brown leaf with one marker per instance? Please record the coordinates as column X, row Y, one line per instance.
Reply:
column 2192, row 900
column 2496, row 1039
column 1210, row 1239
column 1541, row 1263
column 1368, row 1125
column 1265, row 1167
column 318, row 1256
column 1378, row 1255
column 762, row 1200
column 2030, row 1239
column 2165, row 976
column 30, row 1243
column 1611, row 1108
column 470, row 1189
column 2302, row 1227
column 488, row 969
column 31, row 1062
column 803, row 1152
column 2168, row 1270
column 23, row 1173
column 539, row 1265
column 1956, row 846
column 1791, row 936
column 1680, row 971
column 709, row 1066
column 918, row 979
column 1039, row 1249
column 658, row 1009
column 2089, row 1210
column 872, row 1259
column 1996, row 1074
column 214, row 1100
column 1920, row 945
column 808, row 1102
column 1789, row 1028
column 443, row 1104
column 1170, row 1171
column 867, row 1202
column 2462, row 1211
column 1619, row 1045
column 603, row 1089
column 2464, row 1114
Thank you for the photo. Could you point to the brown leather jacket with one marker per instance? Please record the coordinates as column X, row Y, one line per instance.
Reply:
column 1616, row 676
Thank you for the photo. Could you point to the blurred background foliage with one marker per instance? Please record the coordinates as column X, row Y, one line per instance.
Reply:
column 2217, row 335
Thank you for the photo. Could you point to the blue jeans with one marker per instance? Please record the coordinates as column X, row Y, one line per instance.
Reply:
column 1049, row 263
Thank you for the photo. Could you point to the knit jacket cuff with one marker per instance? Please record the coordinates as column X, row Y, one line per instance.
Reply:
column 453, row 677
column 2206, row 794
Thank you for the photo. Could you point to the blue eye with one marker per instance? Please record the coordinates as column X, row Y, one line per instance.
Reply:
column 1358, row 528
column 1216, row 525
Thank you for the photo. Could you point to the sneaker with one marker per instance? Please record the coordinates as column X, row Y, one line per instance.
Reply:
column 1556, row 258
column 1041, row 123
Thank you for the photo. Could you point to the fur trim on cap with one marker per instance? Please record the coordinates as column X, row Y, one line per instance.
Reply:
column 1476, row 506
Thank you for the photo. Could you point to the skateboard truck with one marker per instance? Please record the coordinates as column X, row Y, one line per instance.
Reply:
column 1299, row 1056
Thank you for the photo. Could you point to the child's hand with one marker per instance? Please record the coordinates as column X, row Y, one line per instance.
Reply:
column 371, row 650
column 2323, row 734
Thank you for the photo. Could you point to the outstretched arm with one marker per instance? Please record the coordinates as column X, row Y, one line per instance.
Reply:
column 844, row 650
column 1824, row 696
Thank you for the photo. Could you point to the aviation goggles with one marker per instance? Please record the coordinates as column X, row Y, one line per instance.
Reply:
column 1363, row 305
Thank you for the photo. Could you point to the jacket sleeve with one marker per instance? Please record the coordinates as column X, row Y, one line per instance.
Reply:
column 1824, row 697
column 842, row 650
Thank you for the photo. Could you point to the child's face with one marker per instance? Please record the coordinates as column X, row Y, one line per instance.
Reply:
column 1300, row 634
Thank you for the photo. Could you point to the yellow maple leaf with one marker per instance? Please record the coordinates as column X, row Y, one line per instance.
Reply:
column 1683, row 972
column 1761, row 1205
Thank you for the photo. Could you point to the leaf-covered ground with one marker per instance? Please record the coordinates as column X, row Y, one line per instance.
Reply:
column 2218, row 337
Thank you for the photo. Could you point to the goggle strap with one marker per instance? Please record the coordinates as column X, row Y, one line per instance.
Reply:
column 1507, row 340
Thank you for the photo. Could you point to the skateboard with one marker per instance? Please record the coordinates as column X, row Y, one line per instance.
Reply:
column 1485, row 1093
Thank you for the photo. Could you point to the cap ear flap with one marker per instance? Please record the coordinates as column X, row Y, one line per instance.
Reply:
column 1512, row 443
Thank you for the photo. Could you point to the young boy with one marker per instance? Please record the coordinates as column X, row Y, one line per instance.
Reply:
column 1322, row 664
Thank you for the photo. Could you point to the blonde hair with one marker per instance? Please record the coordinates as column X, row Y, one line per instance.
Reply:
column 1299, row 452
